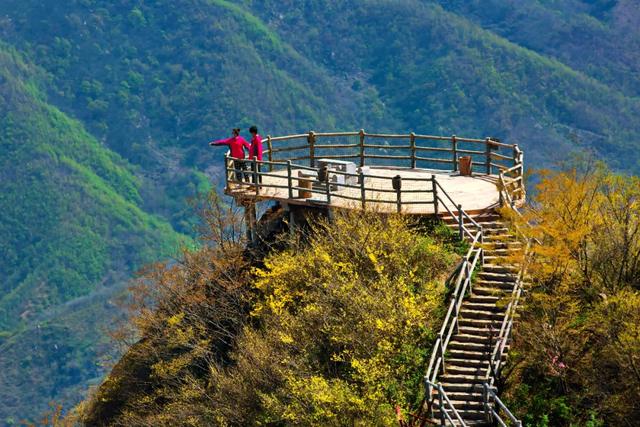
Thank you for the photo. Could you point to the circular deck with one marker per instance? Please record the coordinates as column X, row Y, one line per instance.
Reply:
column 475, row 193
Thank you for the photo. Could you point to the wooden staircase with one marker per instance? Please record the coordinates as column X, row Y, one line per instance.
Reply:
column 469, row 352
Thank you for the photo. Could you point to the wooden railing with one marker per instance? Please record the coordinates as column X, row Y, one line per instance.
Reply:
column 288, row 155
column 406, row 150
column 463, row 286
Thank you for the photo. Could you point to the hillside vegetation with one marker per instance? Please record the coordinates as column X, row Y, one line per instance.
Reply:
column 332, row 329
column 577, row 344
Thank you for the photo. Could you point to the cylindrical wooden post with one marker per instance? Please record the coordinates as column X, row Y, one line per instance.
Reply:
column 441, row 351
column 363, row 193
column 412, row 138
column 289, row 179
column 396, row 182
column 254, row 164
column 441, row 405
column 312, row 149
column 460, row 223
column 361, row 147
column 226, row 173
column 270, row 152
column 487, row 153
column 328, row 189
column 454, row 149
column 434, row 186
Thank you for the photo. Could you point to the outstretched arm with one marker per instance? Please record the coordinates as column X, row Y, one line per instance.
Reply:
column 224, row 141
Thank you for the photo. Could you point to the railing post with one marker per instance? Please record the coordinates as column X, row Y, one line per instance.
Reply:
column 454, row 149
column 270, row 147
column 412, row 138
column 441, row 405
column 429, row 397
column 441, row 350
column 485, row 401
column 460, row 222
column 396, row 182
column 434, row 186
column 289, row 179
column 487, row 152
column 226, row 172
column 254, row 164
column 363, row 193
column 328, row 189
column 312, row 150
column 361, row 147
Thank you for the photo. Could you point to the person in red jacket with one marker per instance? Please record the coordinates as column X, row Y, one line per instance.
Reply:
column 236, row 145
column 255, row 151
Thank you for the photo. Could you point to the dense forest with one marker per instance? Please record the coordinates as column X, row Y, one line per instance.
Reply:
column 106, row 108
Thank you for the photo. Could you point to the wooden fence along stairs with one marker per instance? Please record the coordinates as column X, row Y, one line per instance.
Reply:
column 475, row 351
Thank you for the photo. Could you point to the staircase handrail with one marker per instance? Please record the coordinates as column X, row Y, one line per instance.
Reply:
column 445, row 404
column 489, row 394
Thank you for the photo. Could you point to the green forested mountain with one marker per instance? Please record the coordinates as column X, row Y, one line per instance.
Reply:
column 71, row 223
column 107, row 107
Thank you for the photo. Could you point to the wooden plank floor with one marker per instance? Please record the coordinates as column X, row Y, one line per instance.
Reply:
column 474, row 193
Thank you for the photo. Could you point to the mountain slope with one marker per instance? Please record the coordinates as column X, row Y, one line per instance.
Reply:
column 70, row 215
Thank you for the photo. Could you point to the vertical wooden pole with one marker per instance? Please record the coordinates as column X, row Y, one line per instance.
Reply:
column 269, row 146
column 487, row 153
column 292, row 221
column 442, row 409
column 312, row 150
column 361, row 147
column 289, row 179
column 441, row 351
column 363, row 193
column 412, row 137
column 454, row 149
column 328, row 189
column 460, row 223
column 434, row 186
column 254, row 164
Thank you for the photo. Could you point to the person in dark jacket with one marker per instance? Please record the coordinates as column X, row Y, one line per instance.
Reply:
column 236, row 145
column 255, row 151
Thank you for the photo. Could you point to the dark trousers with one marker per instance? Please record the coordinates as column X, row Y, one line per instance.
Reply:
column 255, row 166
column 239, row 167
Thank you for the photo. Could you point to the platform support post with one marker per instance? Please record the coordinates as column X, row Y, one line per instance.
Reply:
column 250, row 221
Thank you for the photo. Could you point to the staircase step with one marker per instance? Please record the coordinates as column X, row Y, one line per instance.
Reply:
column 466, row 370
column 475, row 298
column 490, row 239
column 466, row 313
column 467, row 362
column 483, row 306
column 480, row 289
column 466, row 354
column 462, row 379
column 480, row 323
column 469, row 345
column 462, row 387
column 474, row 338
column 478, row 331
column 501, row 268
column 496, row 277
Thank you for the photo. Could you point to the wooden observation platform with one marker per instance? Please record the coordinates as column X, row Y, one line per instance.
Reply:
column 462, row 180
column 406, row 173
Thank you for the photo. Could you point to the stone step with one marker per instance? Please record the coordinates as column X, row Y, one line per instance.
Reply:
column 476, row 338
column 505, row 287
column 462, row 387
column 477, row 331
column 461, row 379
column 479, row 323
column 489, row 231
column 475, row 370
column 496, row 277
column 475, row 298
column 489, row 239
column 502, row 252
column 511, row 245
column 467, row 354
column 469, row 345
column 479, row 289
column 466, row 313
column 501, row 268
column 469, row 363
column 483, row 306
